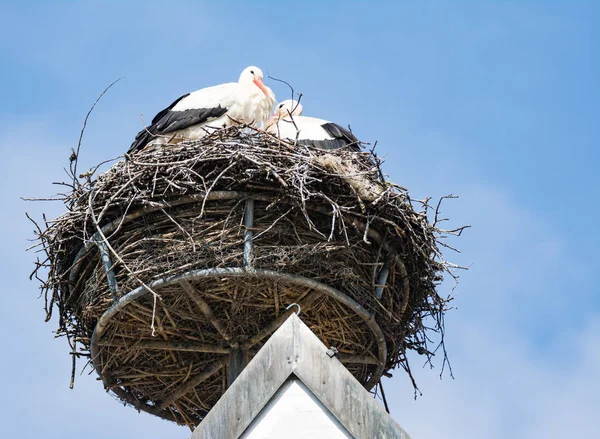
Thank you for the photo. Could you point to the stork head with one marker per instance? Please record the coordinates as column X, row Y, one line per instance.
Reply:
column 253, row 76
column 287, row 108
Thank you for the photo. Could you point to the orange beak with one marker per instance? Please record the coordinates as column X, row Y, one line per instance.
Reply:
column 274, row 118
column 260, row 84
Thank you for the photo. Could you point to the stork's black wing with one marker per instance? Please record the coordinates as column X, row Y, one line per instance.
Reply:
column 167, row 121
column 162, row 113
column 341, row 138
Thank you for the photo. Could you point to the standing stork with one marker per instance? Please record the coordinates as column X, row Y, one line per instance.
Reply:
column 287, row 123
column 199, row 113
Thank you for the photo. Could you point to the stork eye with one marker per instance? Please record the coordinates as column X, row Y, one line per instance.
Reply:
column 252, row 71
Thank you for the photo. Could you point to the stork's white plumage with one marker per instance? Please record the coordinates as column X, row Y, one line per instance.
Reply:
column 197, row 114
column 288, row 123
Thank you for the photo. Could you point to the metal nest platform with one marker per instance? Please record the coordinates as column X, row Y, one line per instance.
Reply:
column 171, row 269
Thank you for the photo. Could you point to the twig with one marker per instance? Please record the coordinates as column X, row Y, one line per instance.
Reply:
column 75, row 155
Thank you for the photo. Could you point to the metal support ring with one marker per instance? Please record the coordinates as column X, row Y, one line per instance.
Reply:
column 139, row 292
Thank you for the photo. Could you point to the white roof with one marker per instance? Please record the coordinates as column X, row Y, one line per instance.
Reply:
column 295, row 413
column 294, row 353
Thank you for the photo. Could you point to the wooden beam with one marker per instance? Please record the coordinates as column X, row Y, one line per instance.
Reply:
column 238, row 359
column 189, row 385
column 357, row 359
column 205, row 308
column 166, row 346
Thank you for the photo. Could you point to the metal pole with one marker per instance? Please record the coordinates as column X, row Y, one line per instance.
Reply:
column 382, row 279
column 248, row 233
column 108, row 268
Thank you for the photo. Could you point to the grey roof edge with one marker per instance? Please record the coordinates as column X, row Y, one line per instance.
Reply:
column 295, row 349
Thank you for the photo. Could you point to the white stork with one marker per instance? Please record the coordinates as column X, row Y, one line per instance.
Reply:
column 287, row 123
column 196, row 114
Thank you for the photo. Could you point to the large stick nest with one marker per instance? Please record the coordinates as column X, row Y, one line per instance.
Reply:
column 327, row 216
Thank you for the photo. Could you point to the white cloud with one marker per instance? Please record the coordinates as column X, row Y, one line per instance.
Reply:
column 523, row 367
column 503, row 389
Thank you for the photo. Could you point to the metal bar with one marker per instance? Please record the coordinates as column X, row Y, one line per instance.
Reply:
column 107, row 263
column 241, row 272
column 248, row 233
column 238, row 360
column 204, row 307
column 166, row 346
column 272, row 327
column 382, row 278
column 189, row 385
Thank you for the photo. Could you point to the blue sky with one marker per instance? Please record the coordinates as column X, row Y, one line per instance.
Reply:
column 498, row 102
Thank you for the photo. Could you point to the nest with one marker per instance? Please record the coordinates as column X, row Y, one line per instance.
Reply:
column 179, row 258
